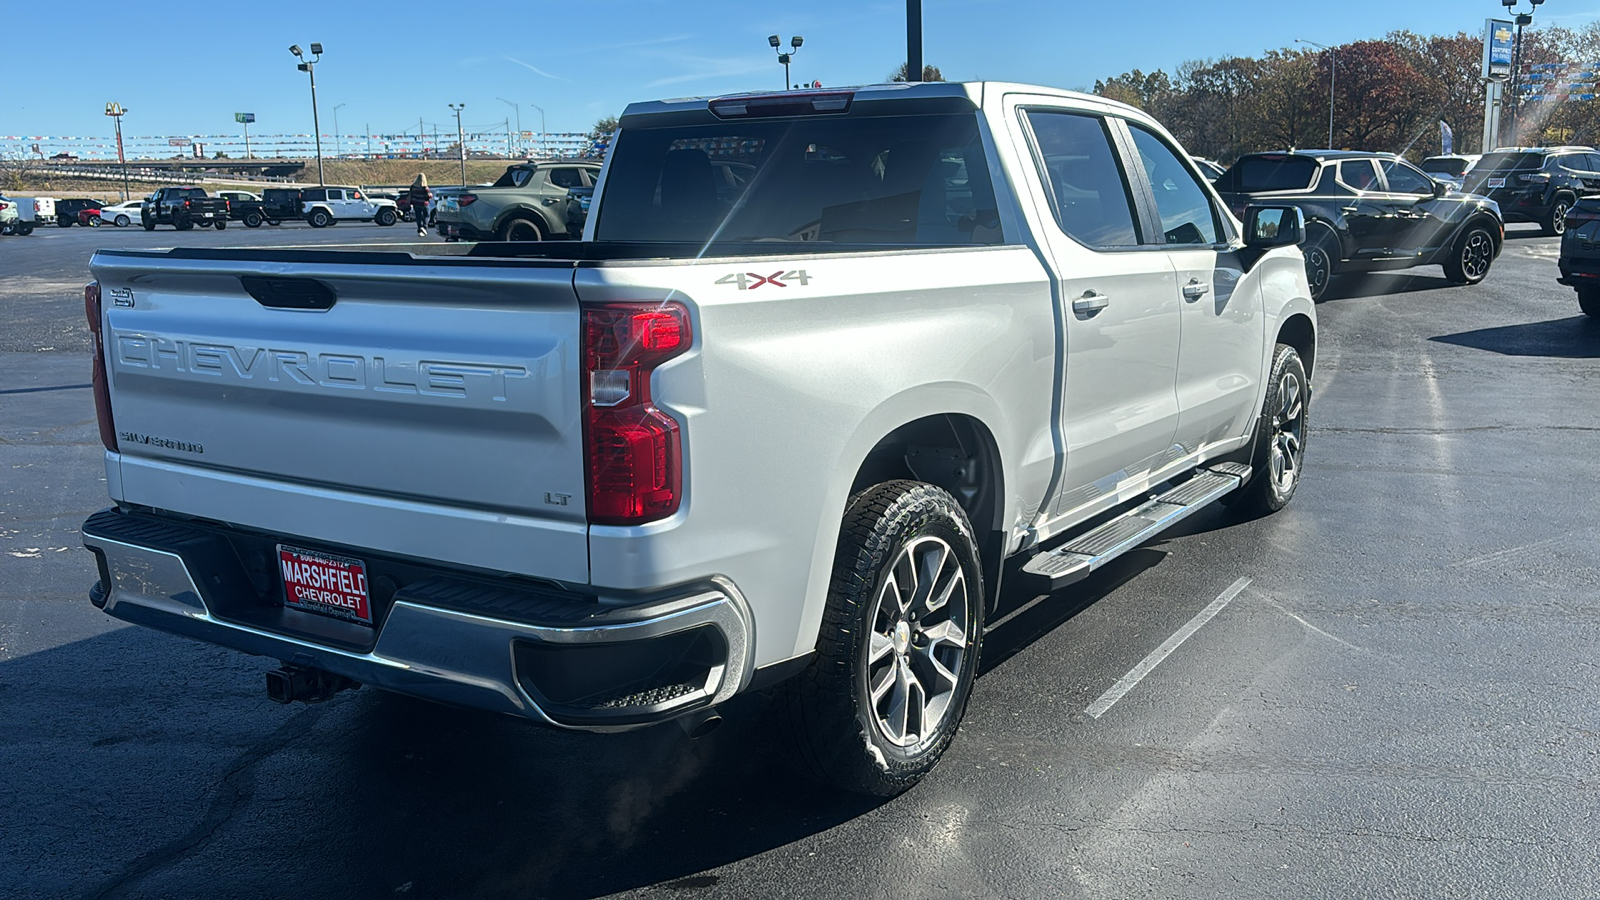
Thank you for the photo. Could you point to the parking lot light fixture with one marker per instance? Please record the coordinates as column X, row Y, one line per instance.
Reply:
column 1333, row 75
column 785, row 58
column 1522, row 20
column 309, row 66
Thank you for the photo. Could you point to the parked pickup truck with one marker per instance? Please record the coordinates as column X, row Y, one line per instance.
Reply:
column 527, row 203
column 790, row 437
column 183, row 208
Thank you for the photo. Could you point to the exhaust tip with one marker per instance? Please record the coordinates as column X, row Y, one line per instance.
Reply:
column 699, row 724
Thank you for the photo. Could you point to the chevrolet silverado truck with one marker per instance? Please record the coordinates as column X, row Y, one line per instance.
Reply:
column 183, row 208
column 788, row 438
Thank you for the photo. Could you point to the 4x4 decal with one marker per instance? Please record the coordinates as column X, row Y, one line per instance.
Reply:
column 749, row 281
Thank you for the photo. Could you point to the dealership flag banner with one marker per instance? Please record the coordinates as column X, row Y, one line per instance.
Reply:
column 1447, row 138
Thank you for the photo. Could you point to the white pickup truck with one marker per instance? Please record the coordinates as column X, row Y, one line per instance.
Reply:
column 825, row 365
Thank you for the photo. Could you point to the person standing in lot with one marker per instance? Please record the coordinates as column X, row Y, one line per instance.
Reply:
column 419, row 203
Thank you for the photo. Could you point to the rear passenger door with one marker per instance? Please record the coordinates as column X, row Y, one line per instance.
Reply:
column 1117, row 305
column 1372, row 220
column 1220, row 327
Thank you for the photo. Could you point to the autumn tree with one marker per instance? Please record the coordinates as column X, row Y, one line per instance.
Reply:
column 929, row 73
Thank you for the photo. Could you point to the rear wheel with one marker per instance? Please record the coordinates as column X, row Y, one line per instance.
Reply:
column 521, row 230
column 899, row 643
column 64, row 222
column 1555, row 221
column 1474, row 253
column 1589, row 302
column 221, row 224
column 319, row 218
column 1280, row 443
column 1321, row 253
column 252, row 219
column 122, row 221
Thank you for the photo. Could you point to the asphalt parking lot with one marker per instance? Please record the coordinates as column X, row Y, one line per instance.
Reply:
column 1396, row 696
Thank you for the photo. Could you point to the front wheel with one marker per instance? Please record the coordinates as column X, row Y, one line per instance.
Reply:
column 1473, row 254
column 1589, row 302
column 149, row 224
column 1280, row 442
column 385, row 217
column 899, row 643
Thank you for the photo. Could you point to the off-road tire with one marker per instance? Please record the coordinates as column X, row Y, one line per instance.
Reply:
column 149, row 224
column 319, row 219
column 1267, row 492
column 1589, row 302
column 832, row 720
column 252, row 219
column 1471, row 256
column 386, row 217
column 1555, row 221
column 221, row 224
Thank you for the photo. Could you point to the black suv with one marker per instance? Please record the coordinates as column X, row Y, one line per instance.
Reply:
column 1537, row 184
column 67, row 210
column 1367, row 212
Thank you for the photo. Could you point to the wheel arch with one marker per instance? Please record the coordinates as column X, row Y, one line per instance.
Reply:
column 1319, row 225
column 956, row 451
column 1298, row 332
column 521, row 211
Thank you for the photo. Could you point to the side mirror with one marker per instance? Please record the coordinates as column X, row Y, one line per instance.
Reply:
column 1266, row 227
column 1440, row 188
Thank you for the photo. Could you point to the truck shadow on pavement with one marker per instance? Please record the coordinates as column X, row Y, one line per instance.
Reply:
column 1576, row 337
column 1379, row 284
column 214, row 791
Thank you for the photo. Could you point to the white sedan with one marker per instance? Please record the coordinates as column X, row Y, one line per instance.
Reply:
column 122, row 214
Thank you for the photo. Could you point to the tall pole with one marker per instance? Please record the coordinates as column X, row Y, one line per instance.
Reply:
column 461, row 140
column 368, row 127
column 338, row 148
column 316, row 123
column 541, row 128
column 247, row 154
column 913, row 40
column 519, row 118
column 116, row 112
column 1516, row 70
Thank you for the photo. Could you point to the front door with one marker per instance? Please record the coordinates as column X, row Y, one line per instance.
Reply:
column 1218, row 377
column 1117, row 302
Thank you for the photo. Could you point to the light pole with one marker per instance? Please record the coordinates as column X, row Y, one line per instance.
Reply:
column 338, row 148
column 794, row 47
column 461, row 139
column 913, row 40
column 1522, row 20
column 310, row 68
column 1333, row 76
column 519, row 120
column 116, row 112
column 541, row 127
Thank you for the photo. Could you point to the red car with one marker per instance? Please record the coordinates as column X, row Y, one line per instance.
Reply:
column 89, row 217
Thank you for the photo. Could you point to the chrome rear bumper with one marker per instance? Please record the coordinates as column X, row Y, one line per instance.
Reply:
column 456, row 656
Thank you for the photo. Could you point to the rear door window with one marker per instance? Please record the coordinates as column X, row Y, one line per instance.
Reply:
column 1359, row 174
column 1089, row 193
column 566, row 178
column 1187, row 216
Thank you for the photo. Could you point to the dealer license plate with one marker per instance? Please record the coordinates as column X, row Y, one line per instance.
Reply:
column 322, row 583
column 1497, row 182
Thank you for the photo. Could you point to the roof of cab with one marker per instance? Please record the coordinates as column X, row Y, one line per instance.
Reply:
column 971, row 91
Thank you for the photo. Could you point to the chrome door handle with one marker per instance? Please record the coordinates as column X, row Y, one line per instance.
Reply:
column 1090, row 303
column 1350, row 209
column 1194, row 290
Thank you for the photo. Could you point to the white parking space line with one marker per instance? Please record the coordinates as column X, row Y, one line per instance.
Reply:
column 1131, row 680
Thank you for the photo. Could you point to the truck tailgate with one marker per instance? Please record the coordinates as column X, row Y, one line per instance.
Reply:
column 431, row 410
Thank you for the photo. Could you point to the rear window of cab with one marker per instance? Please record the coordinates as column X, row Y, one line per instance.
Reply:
column 1272, row 172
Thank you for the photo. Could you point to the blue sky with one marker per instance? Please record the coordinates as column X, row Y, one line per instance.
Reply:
column 392, row 63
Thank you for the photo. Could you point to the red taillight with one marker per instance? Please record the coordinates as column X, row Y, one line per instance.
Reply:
column 102, row 390
column 185, row 204
column 633, row 455
column 466, row 199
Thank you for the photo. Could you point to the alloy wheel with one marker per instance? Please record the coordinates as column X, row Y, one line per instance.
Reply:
column 1476, row 255
column 1288, row 432
column 917, row 642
